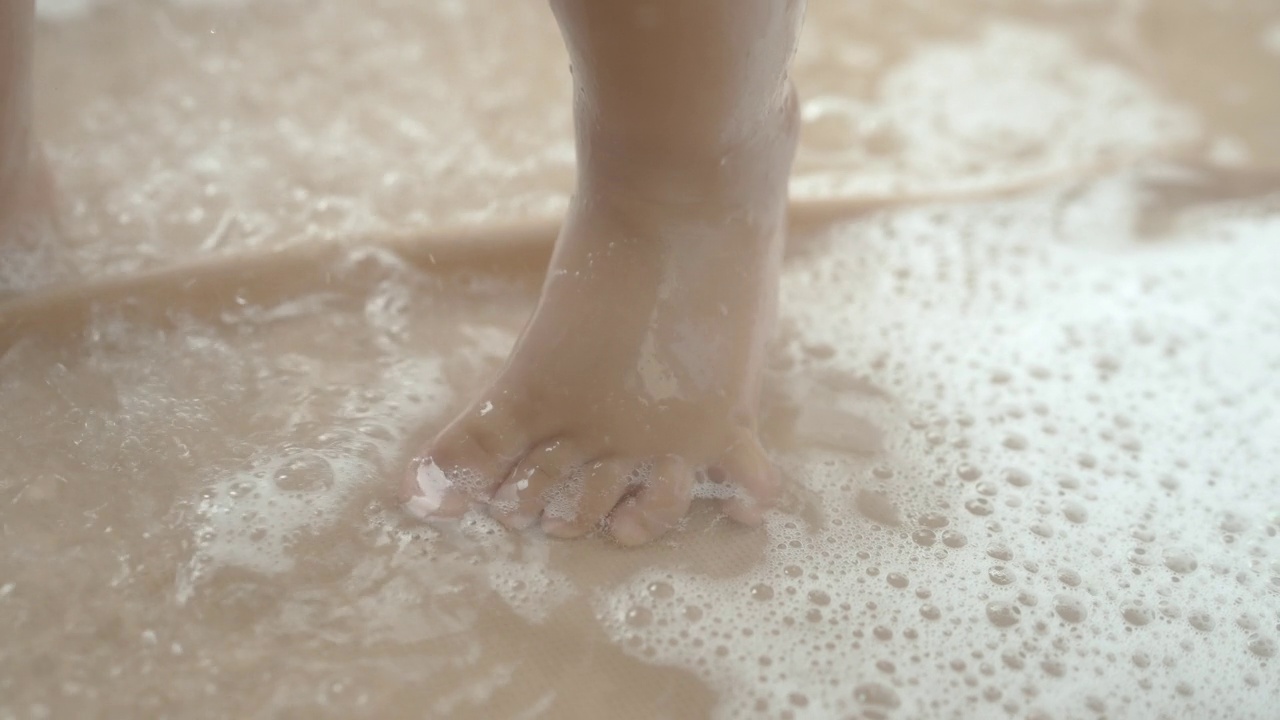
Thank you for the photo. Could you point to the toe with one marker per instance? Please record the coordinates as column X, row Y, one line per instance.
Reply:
column 465, row 463
column 603, row 483
column 754, row 479
column 661, row 502
column 520, row 500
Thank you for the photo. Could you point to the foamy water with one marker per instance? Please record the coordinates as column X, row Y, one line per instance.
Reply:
column 1030, row 440
column 1072, row 509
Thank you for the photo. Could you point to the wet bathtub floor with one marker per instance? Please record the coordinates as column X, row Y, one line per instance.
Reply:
column 1025, row 388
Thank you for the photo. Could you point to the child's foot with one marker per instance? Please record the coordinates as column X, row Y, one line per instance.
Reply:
column 641, row 365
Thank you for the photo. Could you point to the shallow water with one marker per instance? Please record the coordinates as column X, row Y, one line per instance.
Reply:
column 1030, row 437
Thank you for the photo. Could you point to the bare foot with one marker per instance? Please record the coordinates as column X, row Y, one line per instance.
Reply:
column 642, row 363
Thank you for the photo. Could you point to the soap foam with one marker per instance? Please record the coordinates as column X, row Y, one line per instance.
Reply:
column 1043, row 531
column 1014, row 105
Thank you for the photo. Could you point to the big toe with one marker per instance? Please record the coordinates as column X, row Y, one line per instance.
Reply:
column 535, row 481
column 465, row 463
column 755, row 482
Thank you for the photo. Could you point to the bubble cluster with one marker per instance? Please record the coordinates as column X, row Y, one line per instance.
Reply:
column 1019, row 532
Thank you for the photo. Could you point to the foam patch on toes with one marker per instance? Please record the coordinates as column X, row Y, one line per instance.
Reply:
column 433, row 484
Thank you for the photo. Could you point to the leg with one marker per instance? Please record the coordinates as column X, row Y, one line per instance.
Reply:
column 642, row 361
column 26, row 189
column 16, row 21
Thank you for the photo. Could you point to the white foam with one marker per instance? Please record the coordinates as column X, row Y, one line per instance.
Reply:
column 1063, row 431
column 1015, row 104
column 433, row 484
column 338, row 439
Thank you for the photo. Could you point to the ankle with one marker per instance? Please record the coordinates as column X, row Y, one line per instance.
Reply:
column 685, row 169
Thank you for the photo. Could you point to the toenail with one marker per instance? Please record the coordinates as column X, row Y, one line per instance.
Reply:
column 507, row 498
column 432, row 486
